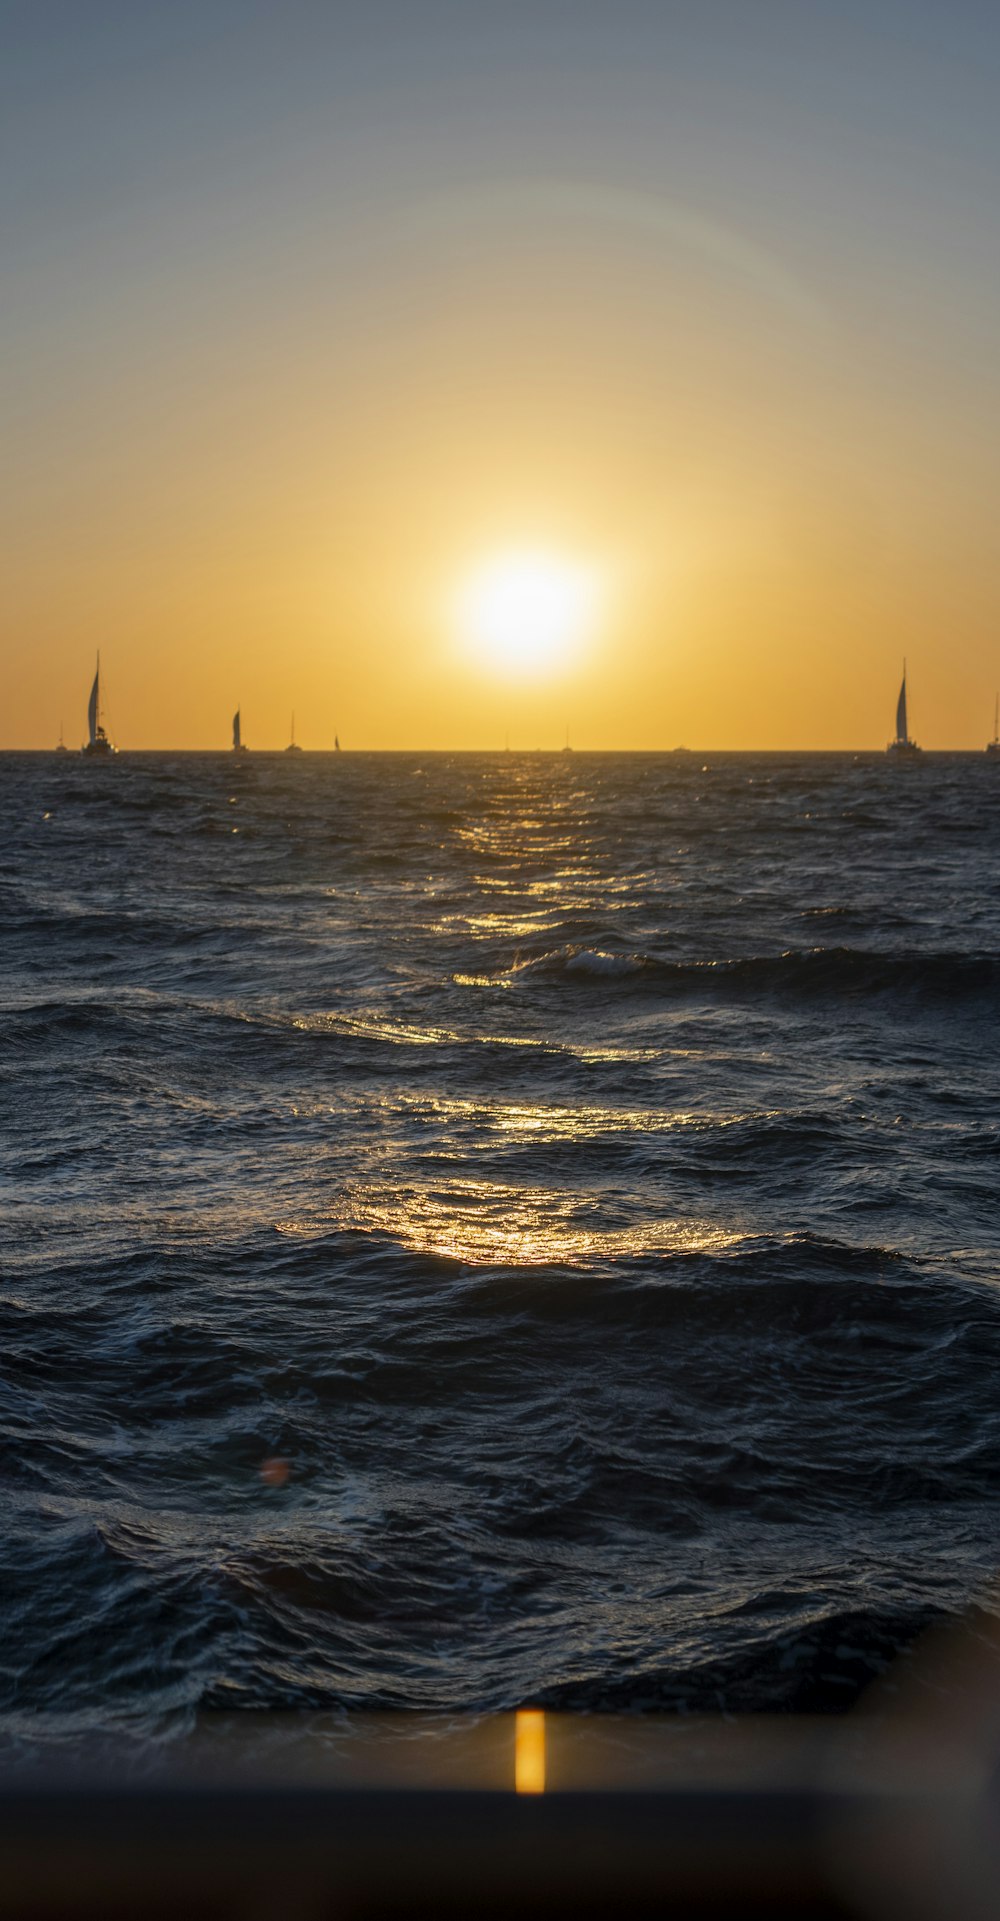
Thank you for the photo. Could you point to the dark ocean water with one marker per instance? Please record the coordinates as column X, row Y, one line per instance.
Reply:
column 492, row 1230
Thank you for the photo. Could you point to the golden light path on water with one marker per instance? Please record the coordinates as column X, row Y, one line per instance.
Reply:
column 548, row 1122
column 489, row 1224
column 407, row 1034
column 530, row 861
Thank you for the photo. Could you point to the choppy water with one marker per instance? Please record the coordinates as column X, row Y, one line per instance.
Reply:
column 580, row 1172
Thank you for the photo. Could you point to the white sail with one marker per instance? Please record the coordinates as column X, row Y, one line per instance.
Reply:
column 236, row 730
column 901, row 733
column 94, row 707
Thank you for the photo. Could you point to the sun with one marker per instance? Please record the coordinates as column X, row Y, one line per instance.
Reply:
column 526, row 614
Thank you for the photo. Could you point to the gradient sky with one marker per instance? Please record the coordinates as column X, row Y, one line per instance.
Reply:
column 308, row 308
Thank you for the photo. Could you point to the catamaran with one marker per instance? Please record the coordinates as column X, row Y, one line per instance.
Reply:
column 993, row 746
column 238, row 747
column 903, row 747
column 293, row 746
column 99, row 743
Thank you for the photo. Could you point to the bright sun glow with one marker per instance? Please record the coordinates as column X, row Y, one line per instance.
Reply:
column 527, row 613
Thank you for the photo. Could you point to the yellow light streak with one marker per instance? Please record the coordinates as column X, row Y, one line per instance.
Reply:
column 529, row 1751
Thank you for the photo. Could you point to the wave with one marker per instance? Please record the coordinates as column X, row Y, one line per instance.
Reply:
column 819, row 972
column 812, row 1666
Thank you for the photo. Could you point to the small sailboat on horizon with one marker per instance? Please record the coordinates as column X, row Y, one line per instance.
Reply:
column 293, row 746
column 98, row 744
column 238, row 745
column 993, row 746
column 903, row 748
column 61, row 747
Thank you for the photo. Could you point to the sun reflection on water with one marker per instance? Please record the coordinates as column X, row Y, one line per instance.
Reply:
column 491, row 1224
column 547, row 1121
column 409, row 1034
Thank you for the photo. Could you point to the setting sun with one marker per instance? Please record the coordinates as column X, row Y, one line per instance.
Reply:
column 525, row 614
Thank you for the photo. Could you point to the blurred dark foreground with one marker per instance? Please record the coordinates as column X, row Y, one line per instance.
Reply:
column 891, row 1811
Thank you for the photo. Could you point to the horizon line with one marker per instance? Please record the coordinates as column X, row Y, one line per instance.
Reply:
column 278, row 753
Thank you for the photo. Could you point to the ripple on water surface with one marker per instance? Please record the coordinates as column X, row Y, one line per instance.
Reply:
column 491, row 1229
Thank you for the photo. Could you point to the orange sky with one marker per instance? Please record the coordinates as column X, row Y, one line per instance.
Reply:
column 266, row 411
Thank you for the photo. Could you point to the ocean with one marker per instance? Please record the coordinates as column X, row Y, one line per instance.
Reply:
column 492, row 1230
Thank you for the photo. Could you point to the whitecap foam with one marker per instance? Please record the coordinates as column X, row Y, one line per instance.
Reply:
column 592, row 960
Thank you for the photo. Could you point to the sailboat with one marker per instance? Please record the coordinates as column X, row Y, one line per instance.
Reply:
column 238, row 747
column 993, row 746
column 293, row 746
column 903, row 748
column 61, row 747
column 98, row 744
column 336, row 743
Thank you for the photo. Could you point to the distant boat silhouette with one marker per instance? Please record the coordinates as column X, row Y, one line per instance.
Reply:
column 903, row 747
column 993, row 746
column 238, row 746
column 98, row 744
column 293, row 747
column 61, row 747
column 336, row 744
column 567, row 749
